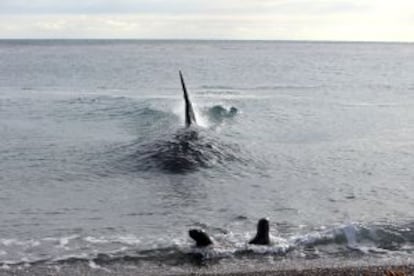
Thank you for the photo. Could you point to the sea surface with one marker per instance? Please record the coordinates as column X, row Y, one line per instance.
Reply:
column 96, row 165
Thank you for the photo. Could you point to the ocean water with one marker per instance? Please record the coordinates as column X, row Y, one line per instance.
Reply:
column 96, row 165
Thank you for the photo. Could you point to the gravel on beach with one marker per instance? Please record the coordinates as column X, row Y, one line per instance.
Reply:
column 86, row 269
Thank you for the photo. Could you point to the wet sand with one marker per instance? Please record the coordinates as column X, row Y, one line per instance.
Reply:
column 89, row 269
column 374, row 270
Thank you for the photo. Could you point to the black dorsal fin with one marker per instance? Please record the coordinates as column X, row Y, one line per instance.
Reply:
column 189, row 112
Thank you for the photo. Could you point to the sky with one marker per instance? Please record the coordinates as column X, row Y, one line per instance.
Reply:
column 336, row 20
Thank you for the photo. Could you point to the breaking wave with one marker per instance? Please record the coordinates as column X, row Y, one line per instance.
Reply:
column 345, row 240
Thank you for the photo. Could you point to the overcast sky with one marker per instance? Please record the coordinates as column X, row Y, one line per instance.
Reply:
column 361, row 20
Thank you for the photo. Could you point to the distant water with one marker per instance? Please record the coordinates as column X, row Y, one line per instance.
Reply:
column 95, row 163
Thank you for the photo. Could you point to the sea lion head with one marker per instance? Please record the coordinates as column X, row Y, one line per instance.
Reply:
column 200, row 237
column 262, row 235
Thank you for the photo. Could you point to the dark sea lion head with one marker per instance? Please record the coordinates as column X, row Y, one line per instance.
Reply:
column 233, row 111
column 200, row 237
column 263, row 226
column 262, row 235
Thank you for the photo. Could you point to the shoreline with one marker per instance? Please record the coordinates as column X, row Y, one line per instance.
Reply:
column 368, row 270
column 397, row 270
column 127, row 268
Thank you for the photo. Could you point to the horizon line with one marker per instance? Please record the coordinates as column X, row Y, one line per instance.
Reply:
column 210, row 39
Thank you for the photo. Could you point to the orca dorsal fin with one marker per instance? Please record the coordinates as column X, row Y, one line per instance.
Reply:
column 189, row 112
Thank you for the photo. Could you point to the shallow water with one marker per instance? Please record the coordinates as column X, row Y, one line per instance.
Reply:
column 94, row 158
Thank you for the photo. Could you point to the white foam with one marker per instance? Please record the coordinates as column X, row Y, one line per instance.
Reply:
column 25, row 243
column 350, row 232
column 128, row 240
column 64, row 241
column 201, row 120
column 224, row 244
column 179, row 110
column 311, row 238
column 93, row 265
